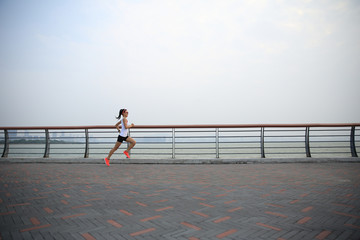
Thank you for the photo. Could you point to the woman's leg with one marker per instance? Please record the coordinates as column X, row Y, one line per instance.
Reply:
column 117, row 145
column 132, row 143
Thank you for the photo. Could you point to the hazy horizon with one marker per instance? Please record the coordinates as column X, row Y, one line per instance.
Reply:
column 78, row 62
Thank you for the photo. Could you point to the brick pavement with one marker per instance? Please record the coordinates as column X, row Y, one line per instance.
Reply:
column 232, row 201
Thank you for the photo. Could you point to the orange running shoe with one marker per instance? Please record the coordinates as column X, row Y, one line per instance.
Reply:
column 127, row 154
column 107, row 162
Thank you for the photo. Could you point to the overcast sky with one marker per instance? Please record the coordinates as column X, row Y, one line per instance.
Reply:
column 77, row 62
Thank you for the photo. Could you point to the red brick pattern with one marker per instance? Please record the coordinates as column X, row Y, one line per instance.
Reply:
column 48, row 210
column 126, row 212
column 207, row 205
column 235, row 209
column 114, row 223
column 142, row 232
column 352, row 226
column 260, row 201
column 346, row 214
column 323, row 235
column 163, row 209
column 7, row 213
column 268, row 226
column 200, row 214
column 190, row 226
column 35, row 228
column 307, row 209
column 87, row 236
column 222, row 219
column 225, row 234
column 276, row 214
column 35, row 221
column 304, row 220
column 150, row 218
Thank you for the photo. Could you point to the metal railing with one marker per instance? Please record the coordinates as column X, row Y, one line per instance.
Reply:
column 174, row 141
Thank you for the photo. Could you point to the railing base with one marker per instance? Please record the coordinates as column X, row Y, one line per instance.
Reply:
column 180, row 161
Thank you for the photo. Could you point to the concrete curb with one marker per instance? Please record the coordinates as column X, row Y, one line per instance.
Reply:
column 181, row 161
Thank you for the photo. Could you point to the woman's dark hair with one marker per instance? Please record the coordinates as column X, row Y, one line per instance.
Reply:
column 120, row 113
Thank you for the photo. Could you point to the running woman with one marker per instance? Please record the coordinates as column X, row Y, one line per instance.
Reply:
column 122, row 126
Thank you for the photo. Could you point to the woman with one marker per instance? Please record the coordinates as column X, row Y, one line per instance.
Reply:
column 122, row 126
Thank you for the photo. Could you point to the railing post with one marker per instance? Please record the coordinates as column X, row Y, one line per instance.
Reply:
column 173, row 143
column 352, row 142
column 127, row 143
column 262, row 142
column 47, row 143
column 86, row 155
column 307, row 142
column 6, row 144
column 217, row 142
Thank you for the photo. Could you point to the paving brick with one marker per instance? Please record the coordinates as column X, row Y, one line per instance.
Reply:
column 304, row 220
column 226, row 233
column 163, row 209
column 35, row 228
column 268, row 226
column 88, row 236
column 323, row 235
column 142, row 232
column 151, row 218
column 180, row 201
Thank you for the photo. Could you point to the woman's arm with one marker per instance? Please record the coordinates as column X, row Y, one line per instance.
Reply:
column 118, row 126
column 126, row 124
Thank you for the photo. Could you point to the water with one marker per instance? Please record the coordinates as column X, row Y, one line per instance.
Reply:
column 183, row 150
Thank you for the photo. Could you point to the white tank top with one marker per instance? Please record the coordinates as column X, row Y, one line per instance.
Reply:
column 124, row 131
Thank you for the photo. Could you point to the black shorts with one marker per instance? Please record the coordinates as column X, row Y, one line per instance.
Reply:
column 121, row 138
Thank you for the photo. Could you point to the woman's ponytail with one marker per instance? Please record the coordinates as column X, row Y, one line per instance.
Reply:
column 120, row 113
